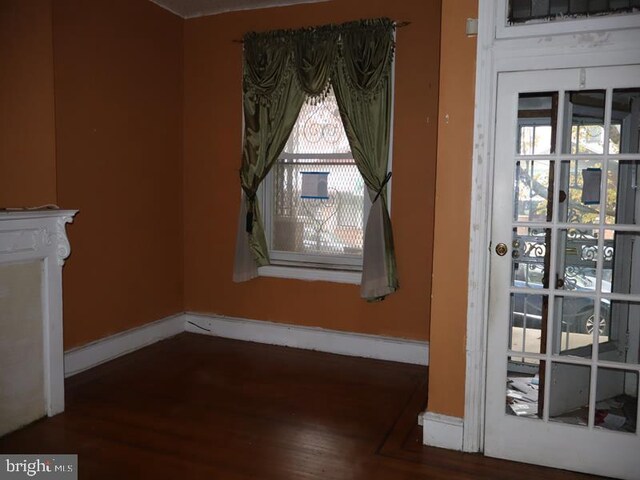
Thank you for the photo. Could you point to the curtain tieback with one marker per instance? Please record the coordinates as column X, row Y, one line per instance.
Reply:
column 249, row 222
column 249, row 219
column 384, row 184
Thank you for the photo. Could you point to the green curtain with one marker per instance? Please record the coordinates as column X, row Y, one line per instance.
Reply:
column 362, row 85
column 272, row 99
column 281, row 70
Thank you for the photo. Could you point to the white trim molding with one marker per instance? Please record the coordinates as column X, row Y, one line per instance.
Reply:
column 109, row 348
column 596, row 41
column 93, row 354
column 310, row 338
column 481, row 198
column 311, row 274
column 442, row 431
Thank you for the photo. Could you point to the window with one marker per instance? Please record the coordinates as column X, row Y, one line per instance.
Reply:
column 314, row 199
column 533, row 18
column 303, row 201
column 545, row 10
column 534, row 137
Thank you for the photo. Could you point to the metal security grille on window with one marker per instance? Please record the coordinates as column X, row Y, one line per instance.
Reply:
column 316, row 196
column 526, row 10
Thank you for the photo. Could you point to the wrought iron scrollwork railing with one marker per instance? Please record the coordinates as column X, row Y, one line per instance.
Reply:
column 579, row 259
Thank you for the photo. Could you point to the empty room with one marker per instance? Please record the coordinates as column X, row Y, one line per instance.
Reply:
column 319, row 239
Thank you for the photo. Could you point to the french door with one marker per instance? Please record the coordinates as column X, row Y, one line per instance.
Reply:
column 564, row 307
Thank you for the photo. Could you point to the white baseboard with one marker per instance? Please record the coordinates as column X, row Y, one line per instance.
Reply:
column 344, row 343
column 442, row 431
column 310, row 338
column 105, row 349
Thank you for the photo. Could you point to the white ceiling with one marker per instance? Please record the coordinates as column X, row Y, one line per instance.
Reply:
column 200, row 8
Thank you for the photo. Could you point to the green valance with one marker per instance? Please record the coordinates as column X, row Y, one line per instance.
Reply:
column 363, row 50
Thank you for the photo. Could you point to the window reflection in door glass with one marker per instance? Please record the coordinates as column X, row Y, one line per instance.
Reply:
column 533, row 190
column 537, row 113
column 584, row 114
column 622, row 192
column 580, row 190
column 534, row 139
column 625, row 121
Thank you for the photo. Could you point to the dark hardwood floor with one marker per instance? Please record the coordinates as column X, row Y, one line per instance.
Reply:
column 197, row 407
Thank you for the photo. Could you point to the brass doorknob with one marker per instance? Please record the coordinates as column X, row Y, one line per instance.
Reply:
column 501, row 249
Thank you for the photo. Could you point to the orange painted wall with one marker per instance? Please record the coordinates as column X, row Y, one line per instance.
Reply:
column 212, row 144
column 453, row 193
column 153, row 168
column 27, row 129
column 118, row 79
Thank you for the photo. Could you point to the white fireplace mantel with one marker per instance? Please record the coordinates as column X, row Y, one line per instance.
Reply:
column 39, row 236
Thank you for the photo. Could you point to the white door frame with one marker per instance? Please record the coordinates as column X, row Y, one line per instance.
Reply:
column 570, row 44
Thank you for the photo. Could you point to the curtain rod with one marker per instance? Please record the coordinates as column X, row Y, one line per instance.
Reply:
column 401, row 24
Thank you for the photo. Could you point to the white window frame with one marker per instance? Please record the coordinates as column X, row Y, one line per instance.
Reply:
column 303, row 266
column 295, row 259
column 532, row 122
column 342, row 269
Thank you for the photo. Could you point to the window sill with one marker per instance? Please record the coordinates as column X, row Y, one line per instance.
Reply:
column 311, row 274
